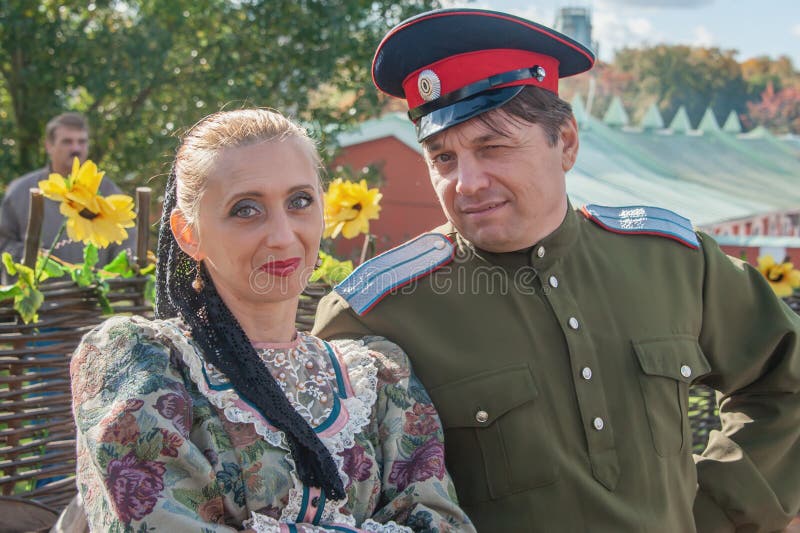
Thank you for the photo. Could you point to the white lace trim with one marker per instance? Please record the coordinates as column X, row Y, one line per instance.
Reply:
column 262, row 524
column 389, row 527
column 265, row 524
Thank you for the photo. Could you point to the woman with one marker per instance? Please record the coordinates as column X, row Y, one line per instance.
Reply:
column 220, row 415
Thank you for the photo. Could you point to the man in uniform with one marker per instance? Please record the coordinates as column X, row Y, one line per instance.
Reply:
column 559, row 345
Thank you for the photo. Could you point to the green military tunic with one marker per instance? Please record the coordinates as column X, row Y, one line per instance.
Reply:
column 561, row 374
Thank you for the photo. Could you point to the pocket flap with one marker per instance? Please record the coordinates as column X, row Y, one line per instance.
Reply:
column 679, row 358
column 480, row 400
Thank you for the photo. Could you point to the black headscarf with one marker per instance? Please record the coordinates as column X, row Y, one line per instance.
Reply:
column 225, row 345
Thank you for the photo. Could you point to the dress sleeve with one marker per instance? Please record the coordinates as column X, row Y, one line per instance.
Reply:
column 417, row 492
column 138, row 469
column 747, row 476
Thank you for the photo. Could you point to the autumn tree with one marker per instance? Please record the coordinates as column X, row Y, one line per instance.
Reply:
column 779, row 111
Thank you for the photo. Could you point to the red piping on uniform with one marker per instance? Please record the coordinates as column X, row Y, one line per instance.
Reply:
column 415, row 278
column 597, row 221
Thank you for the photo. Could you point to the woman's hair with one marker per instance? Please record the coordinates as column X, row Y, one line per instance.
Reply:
column 205, row 141
column 215, row 330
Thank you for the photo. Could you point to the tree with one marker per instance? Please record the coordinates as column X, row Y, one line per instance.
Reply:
column 145, row 71
column 778, row 111
column 673, row 76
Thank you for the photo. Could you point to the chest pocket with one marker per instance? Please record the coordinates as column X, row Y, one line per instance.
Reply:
column 669, row 365
column 495, row 440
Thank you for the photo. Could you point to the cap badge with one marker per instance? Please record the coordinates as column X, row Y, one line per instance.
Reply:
column 429, row 85
column 539, row 73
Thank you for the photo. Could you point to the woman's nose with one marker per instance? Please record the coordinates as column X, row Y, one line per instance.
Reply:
column 279, row 231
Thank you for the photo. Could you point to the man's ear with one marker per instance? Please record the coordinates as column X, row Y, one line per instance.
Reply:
column 570, row 144
column 185, row 234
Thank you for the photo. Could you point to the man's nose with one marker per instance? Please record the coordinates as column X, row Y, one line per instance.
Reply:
column 471, row 177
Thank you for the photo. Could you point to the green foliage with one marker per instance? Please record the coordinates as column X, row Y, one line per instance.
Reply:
column 331, row 271
column 144, row 71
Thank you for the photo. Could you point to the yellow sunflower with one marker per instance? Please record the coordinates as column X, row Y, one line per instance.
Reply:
column 782, row 277
column 90, row 218
column 349, row 207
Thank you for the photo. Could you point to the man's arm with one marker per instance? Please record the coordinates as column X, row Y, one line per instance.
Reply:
column 748, row 475
column 12, row 227
column 336, row 320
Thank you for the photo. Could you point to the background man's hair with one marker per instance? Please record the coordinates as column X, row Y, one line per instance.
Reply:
column 68, row 120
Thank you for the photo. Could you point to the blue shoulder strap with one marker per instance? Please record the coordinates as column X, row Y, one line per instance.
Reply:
column 643, row 220
column 374, row 279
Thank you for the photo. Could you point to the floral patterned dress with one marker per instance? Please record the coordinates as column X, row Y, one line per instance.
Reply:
column 166, row 444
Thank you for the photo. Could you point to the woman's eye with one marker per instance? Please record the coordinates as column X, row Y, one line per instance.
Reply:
column 244, row 210
column 300, row 201
column 443, row 158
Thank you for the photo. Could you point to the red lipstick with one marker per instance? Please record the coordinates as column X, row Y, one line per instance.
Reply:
column 281, row 268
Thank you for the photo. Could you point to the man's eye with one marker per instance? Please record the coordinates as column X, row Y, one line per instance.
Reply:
column 443, row 158
column 300, row 201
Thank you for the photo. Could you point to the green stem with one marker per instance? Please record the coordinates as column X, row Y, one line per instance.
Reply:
column 60, row 232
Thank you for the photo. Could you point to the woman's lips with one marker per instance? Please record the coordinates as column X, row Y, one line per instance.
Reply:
column 281, row 268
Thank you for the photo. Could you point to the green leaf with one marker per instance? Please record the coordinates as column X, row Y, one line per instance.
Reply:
column 149, row 446
column 90, row 256
column 120, row 265
column 9, row 291
column 8, row 262
column 28, row 303
column 191, row 498
column 25, row 275
column 49, row 268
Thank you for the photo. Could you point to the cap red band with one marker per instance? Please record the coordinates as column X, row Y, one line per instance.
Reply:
column 460, row 70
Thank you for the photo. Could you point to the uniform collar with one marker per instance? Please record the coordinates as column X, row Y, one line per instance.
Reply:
column 540, row 256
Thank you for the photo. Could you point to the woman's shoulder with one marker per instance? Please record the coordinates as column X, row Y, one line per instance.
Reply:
column 124, row 340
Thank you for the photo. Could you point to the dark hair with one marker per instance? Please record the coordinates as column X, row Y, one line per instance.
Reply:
column 534, row 106
column 67, row 120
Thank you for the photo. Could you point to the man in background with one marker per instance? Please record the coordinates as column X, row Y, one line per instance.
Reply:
column 66, row 137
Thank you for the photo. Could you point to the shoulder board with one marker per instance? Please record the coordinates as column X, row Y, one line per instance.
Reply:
column 643, row 220
column 374, row 279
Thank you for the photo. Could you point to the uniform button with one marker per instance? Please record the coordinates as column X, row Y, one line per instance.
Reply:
column 598, row 423
column 586, row 372
column 553, row 281
column 438, row 244
column 481, row 416
column 573, row 322
column 314, row 501
column 686, row 371
column 540, row 252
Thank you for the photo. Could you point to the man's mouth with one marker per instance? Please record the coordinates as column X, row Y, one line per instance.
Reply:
column 483, row 208
column 281, row 268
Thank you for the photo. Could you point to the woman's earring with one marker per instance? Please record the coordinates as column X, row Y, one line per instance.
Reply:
column 319, row 262
column 197, row 283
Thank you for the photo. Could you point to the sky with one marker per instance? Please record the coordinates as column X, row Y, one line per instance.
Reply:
column 753, row 27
